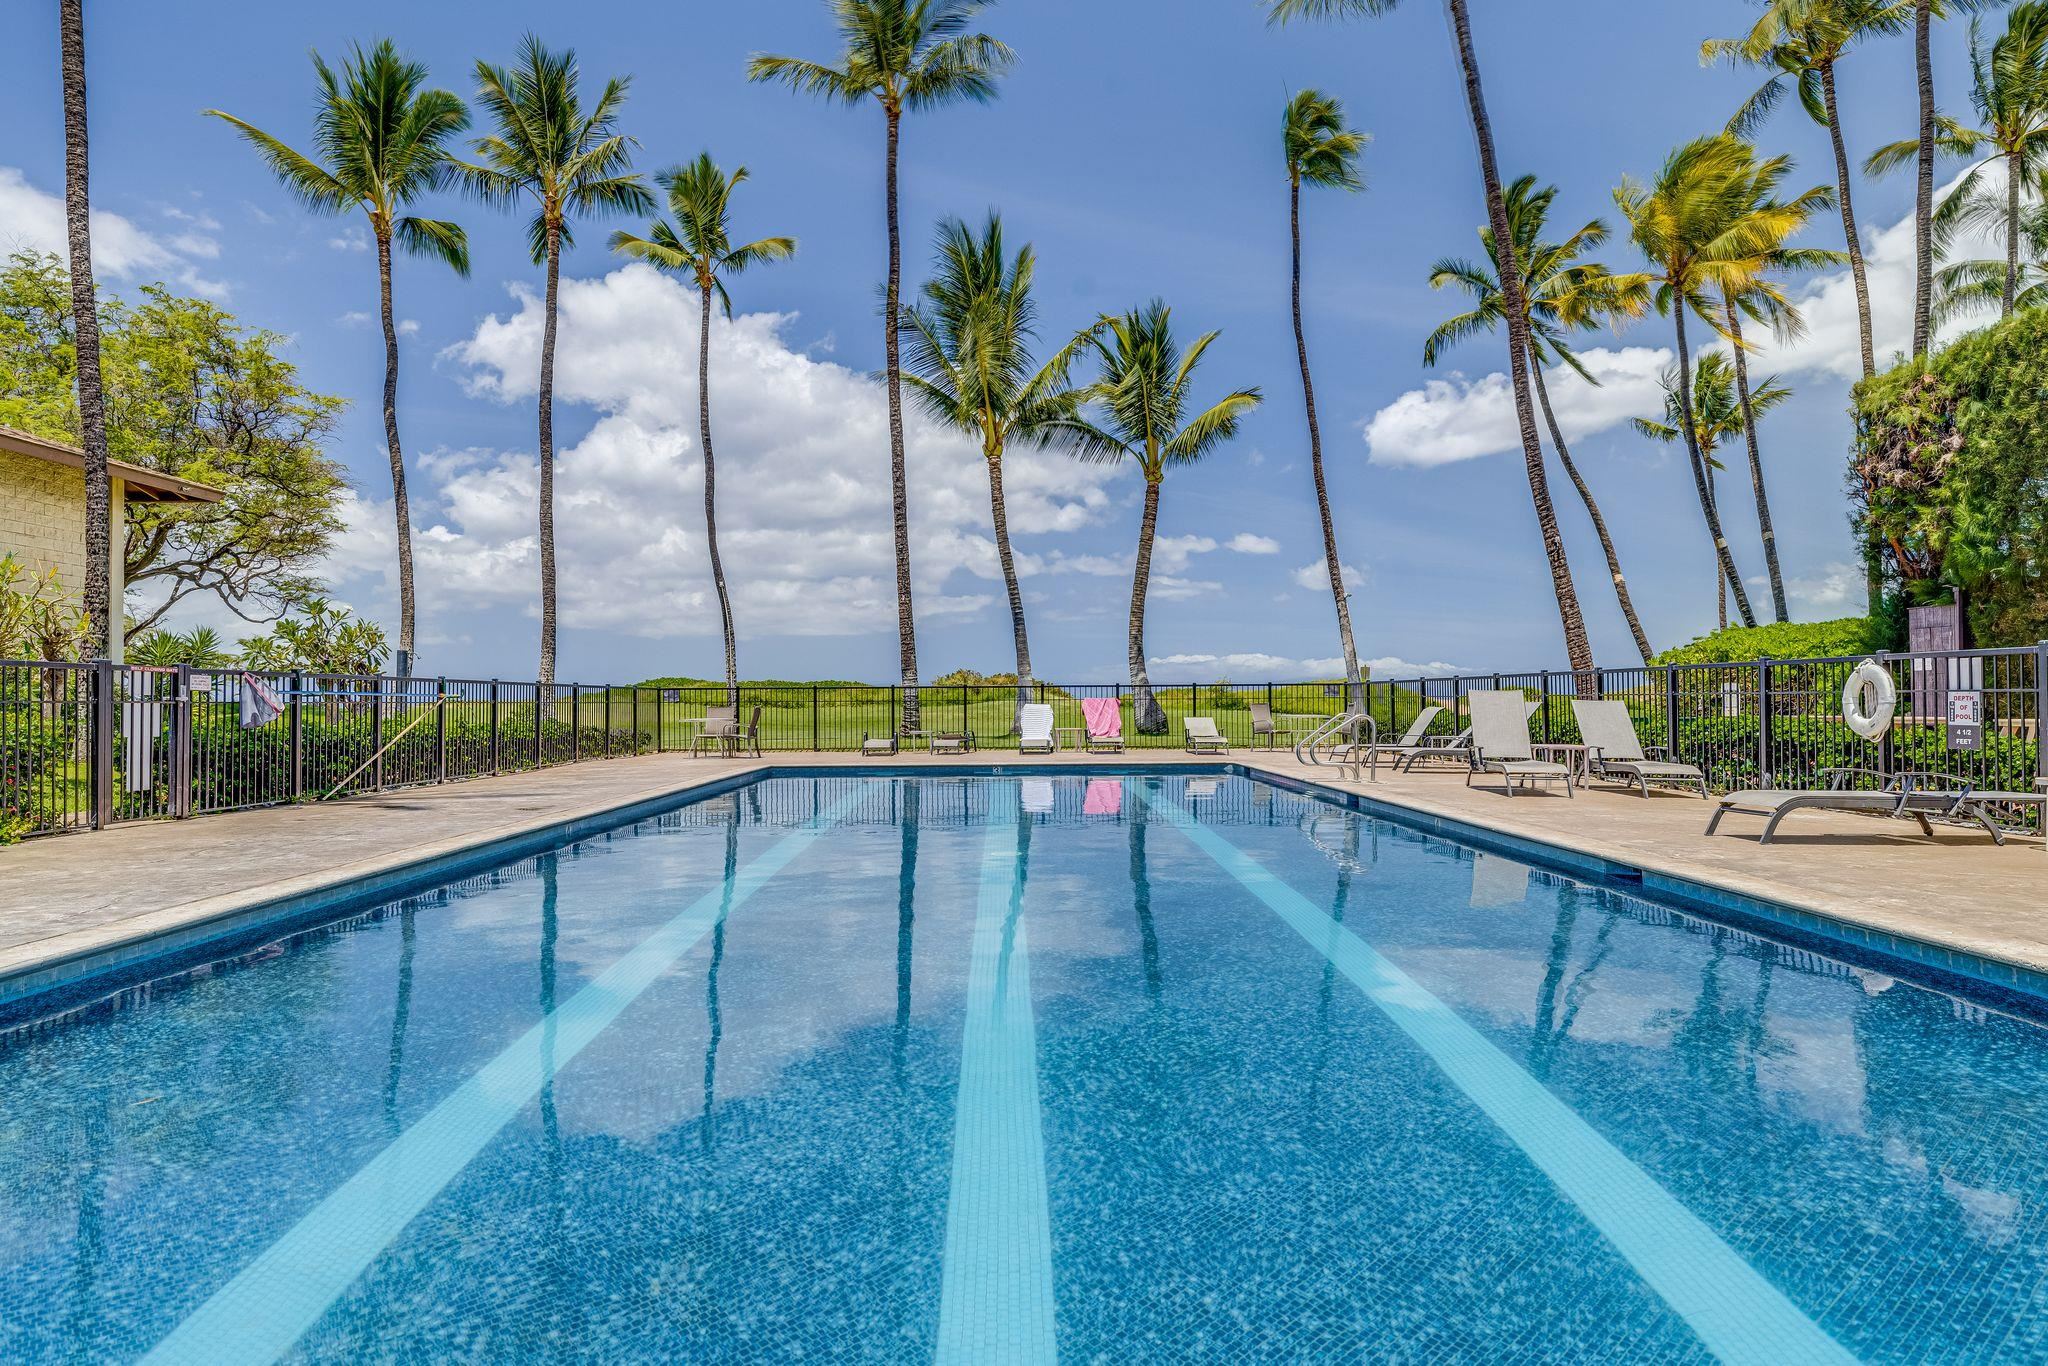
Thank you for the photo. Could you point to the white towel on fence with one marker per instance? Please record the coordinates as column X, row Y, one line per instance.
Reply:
column 260, row 706
column 141, row 723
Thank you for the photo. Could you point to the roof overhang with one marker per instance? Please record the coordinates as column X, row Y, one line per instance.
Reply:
column 143, row 485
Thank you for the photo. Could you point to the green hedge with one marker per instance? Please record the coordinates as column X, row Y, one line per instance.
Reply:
column 1787, row 640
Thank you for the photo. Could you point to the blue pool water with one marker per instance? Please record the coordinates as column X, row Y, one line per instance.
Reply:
column 974, row 1068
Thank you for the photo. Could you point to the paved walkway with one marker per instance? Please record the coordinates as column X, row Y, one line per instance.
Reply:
column 69, row 896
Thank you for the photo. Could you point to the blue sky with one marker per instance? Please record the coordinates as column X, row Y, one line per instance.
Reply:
column 1136, row 144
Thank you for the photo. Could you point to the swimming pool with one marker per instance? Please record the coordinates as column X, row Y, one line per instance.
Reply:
column 985, row 1068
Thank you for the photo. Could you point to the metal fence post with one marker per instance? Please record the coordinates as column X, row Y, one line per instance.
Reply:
column 575, row 723
column 608, row 720
column 494, row 726
column 377, row 733
column 2041, row 715
column 1763, row 722
column 103, row 743
column 181, row 745
column 1547, row 736
column 1671, row 713
column 440, row 731
column 295, row 733
column 815, row 746
column 538, row 723
column 634, row 748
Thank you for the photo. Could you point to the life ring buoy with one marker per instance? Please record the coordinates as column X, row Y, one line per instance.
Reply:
column 1869, row 699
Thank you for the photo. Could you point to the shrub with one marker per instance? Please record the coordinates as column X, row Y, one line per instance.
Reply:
column 1787, row 640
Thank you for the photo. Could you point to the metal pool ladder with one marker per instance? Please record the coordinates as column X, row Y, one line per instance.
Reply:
column 1326, row 733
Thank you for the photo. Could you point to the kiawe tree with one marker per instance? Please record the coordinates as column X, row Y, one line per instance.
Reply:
column 1566, row 294
column 905, row 55
column 971, row 367
column 1321, row 150
column 1573, row 620
column 382, row 141
column 547, row 149
column 1144, row 394
column 698, row 246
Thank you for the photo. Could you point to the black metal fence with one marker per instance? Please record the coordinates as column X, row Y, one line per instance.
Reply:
column 88, row 745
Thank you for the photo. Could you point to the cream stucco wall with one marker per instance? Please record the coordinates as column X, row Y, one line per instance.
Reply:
column 42, row 517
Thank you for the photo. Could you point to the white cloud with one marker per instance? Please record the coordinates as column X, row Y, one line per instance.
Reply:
column 804, row 521
column 1250, row 543
column 354, row 318
column 1834, row 589
column 1316, row 575
column 33, row 220
column 1454, row 419
column 350, row 239
column 408, row 326
column 1172, row 588
column 1172, row 553
column 1244, row 666
column 1394, row 668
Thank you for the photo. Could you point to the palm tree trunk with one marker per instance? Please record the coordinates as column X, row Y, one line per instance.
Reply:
column 2013, row 174
column 1000, row 514
column 85, row 317
column 1723, row 557
column 1564, row 457
column 1853, row 239
column 401, row 507
column 1354, row 689
column 1147, row 717
column 547, row 469
column 732, row 661
column 906, row 628
column 1577, row 649
column 1756, row 468
column 1923, row 190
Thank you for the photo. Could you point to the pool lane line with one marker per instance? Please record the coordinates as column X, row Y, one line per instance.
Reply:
column 271, row 1302
column 996, row 1288
column 1740, row 1316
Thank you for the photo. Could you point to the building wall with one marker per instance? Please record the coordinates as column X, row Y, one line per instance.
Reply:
column 42, row 517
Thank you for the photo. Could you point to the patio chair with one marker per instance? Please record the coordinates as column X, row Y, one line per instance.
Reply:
column 1894, row 795
column 1368, row 756
column 749, row 738
column 874, row 746
column 1457, row 748
column 953, row 742
column 1034, row 729
column 1105, row 719
column 1614, row 752
column 1263, row 726
column 721, row 727
column 1501, row 743
column 1202, row 737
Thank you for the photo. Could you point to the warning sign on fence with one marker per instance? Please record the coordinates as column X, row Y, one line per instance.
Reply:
column 1965, row 720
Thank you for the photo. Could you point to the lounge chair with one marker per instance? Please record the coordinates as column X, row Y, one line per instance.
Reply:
column 1614, row 753
column 1894, row 796
column 1457, row 748
column 721, row 727
column 1202, row 736
column 874, row 746
column 953, row 742
column 1977, row 806
column 750, row 738
column 1368, row 756
column 1501, row 743
column 1105, row 720
column 1034, row 729
column 1263, row 725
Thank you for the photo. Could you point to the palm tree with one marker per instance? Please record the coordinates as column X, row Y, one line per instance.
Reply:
column 1971, row 287
column 1321, row 150
column 1569, row 614
column 971, row 368
column 698, row 246
column 1715, row 415
column 905, row 55
column 1801, row 42
column 2009, row 90
column 85, row 319
column 383, row 137
column 1566, row 294
column 1144, row 393
column 569, row 162
column 1702, row 230
column 1762, row 301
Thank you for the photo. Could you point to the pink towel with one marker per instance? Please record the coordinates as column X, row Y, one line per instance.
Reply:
column 1104, row 717
column 1105, row 797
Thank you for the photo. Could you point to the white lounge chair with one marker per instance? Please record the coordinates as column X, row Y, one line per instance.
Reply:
column 1034, row 729
column 1202, row 737
column 1501, row 743
column 1615, row 753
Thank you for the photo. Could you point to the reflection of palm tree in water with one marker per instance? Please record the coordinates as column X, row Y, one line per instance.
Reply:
column 88, row 1236
column 401, row 1014
column 1141, row 899
column 714, row 1022
column 1340, row 902
column 550, row 932
column 906, row 918
column 1553, row 1027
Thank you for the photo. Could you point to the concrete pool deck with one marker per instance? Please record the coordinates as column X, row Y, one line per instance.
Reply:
column 71, row 898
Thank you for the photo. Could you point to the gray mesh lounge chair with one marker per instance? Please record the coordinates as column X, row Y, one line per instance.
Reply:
column 1202, row 737
column 1034, row 729
column 1614, row 753
column 1978, row 806
column 1264, row 727
column 1501, row 743
column 1457, row 748
column 1895, row 796
column 721, row 726
column 1367, row 757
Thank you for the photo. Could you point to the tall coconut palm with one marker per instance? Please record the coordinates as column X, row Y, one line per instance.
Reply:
column 1716, row 416
column 1705, row 236
column 1802, row 42
column 1761, row 300
column 381, row 137
column 1321, row 150
column 1966, row 288
column 1570, row 616
column 698, row 246
column 85, row 318
column 1145, row 397
column 905, row 55
column 1566, row 294
column 2009, row 91
column 971, row 368
column 568, row 161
